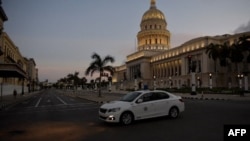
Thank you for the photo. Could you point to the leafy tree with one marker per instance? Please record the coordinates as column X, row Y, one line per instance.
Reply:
column 74, row 78
column 92, row 83
column 83, row 82
column 100, row 66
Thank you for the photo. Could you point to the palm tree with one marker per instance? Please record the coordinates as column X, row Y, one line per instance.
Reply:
column 224, row 54
column 213, row 52
column 244, row 44
column 236, row 55
column 100, row 66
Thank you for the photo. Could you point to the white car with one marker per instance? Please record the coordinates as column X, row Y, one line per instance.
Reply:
column 141, row 105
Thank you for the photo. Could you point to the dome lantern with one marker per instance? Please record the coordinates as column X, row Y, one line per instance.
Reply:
column 152, row 4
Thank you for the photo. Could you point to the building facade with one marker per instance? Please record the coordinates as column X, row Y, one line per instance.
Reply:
column 16, row 72
column 156, row 64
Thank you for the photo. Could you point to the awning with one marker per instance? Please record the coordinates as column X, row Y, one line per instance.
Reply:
column 12, row 70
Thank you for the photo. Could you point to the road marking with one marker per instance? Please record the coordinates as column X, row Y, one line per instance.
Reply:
column 61, row 100
column 38, row 102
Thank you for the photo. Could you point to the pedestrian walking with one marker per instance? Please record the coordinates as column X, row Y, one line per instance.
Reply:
column 14, row 93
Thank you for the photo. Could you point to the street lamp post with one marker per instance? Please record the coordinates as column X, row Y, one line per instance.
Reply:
column 1, row 90
column 23, row 86
column 246, row 82
column 110, row 82
column 121, row 85
column 154, row 82
column 135, row 84
column 193, row 83
column 192, row 69
column 142, row 85
column 210, row 81
column 240, row 76
column 170, row 82
column 198, row 82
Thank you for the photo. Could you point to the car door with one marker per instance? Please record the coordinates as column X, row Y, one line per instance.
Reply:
column 144, row 109
column 161, row 103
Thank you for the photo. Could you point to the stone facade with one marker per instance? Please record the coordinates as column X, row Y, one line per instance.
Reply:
column 16, row 71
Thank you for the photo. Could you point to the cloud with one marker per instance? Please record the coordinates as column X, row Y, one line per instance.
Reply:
column 243, row 28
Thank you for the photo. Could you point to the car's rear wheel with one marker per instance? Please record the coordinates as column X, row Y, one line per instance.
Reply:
column 126, row 118
column 174, row 112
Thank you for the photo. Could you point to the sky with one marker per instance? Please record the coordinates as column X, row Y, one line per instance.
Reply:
column 61, row 35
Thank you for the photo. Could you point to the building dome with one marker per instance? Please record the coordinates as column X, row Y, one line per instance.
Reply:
column 153, row 34
column 153, row 13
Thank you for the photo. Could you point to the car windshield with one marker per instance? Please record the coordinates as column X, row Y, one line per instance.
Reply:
column 130, row 96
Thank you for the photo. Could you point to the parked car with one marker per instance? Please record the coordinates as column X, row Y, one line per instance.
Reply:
column 142, row 105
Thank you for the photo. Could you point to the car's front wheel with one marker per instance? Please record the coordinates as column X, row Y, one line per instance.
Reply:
column 126, row 118
column 174, row 112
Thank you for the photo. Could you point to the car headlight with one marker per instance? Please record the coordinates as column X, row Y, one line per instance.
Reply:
column 114, row 110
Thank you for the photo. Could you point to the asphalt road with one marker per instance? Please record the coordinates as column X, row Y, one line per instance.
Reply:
column 52, row 115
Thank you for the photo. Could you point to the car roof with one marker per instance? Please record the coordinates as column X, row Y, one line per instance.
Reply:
column 143, row 91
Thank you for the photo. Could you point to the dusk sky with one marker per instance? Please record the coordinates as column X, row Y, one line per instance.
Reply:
column 61, row 35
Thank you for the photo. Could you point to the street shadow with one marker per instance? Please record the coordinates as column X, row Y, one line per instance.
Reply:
column 16, row 132
column 140, row 122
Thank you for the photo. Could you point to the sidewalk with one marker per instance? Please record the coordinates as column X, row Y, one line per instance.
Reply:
column 116, row 95
column 233, row 97
column 10, row 100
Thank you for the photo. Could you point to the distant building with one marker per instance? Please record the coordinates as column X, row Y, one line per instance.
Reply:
column 157, row 64
column 32, row 75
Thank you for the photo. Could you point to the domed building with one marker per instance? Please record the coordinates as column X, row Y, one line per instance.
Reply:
column 156, row 64
column 154, row 34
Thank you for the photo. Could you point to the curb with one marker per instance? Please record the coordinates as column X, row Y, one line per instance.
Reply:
column 184, row 97
column 196, row 98
column 191, row 98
